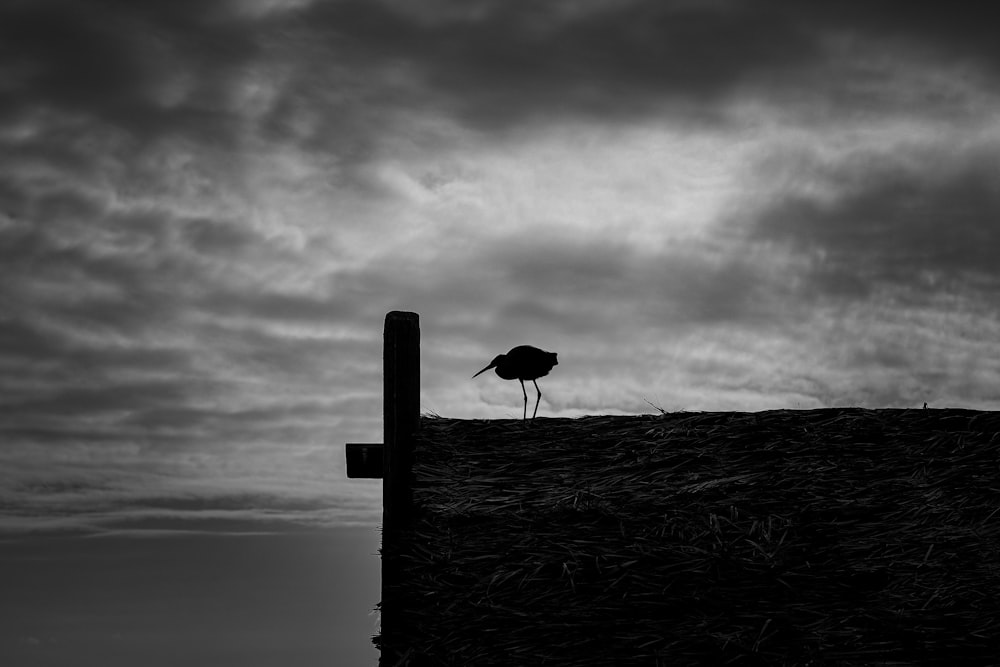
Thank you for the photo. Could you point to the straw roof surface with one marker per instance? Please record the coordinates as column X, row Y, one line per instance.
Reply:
column 823, row 537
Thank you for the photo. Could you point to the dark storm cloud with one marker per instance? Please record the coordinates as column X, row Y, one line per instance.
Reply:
column 110, row 60
column 518, row 58
column 951, row 33
column 908, row 225
column 155, row 69
column 510, row 61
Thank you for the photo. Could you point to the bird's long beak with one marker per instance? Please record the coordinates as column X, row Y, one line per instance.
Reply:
column 486, row 369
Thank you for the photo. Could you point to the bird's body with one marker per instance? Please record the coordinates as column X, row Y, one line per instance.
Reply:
column 524, row 362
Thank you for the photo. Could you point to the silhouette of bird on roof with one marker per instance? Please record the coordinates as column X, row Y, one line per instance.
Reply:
column 524, row 362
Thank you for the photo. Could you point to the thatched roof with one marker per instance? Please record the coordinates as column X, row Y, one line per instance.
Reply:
column 833, row 537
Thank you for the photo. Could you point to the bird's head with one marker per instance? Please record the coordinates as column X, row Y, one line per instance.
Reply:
column 493, row 364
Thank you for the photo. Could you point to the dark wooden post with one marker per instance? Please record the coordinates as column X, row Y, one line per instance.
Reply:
column 401, row 416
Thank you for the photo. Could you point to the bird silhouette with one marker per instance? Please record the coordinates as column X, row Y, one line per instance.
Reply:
column 524, row 362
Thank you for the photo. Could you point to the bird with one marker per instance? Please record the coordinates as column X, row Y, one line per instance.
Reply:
column 524, row 362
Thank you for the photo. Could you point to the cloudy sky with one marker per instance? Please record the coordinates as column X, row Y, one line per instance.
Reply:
column 207, row 208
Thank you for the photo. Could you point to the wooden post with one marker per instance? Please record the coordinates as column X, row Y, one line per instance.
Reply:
column 401, row 415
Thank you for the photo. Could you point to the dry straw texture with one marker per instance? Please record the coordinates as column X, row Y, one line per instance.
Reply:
column 823, row 537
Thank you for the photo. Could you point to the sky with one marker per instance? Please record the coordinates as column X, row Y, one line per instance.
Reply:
column 207, row 209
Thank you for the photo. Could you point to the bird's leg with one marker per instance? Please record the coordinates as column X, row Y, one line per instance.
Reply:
column 525, row 416
column 537, row 400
